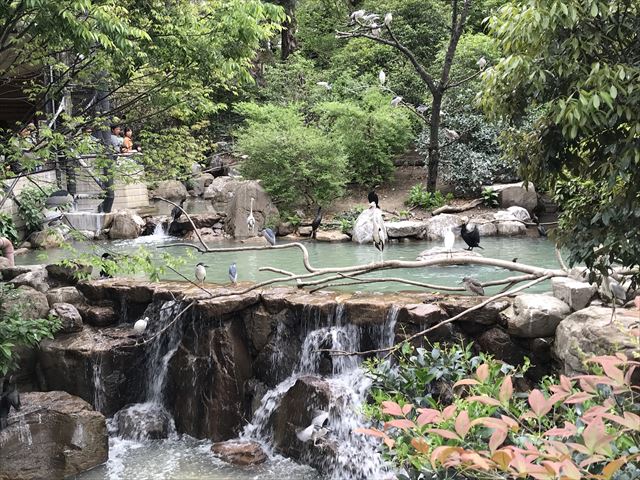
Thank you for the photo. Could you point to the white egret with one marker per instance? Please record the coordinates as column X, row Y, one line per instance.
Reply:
column 449, row 240
column 382, row 77
column 251, row 221
column 357, row 15
column 325, row 85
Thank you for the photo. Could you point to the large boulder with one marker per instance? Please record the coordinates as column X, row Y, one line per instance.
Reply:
column 171, row 190
column 574, row 293
column 363, row 227
column 407, row 228
column 54, row 436
column 519, row 213
column 143, row 421
column 201, row 182
column 68, row 274
column 65, row 295
column 332, row 236
column 200, row 220
column 30, row 302
column 438, row 225
column 125, row 225
column 45, row 239
column 36, row 278
column 99, row 315
column 239, row 207
column 69, row 316
column 535, row 315
column 516, row 194
column 595, row 331
column 240, row 452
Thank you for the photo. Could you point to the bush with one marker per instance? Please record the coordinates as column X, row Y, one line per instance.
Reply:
column 490, row 198
column 8, row 227
column 298, row 164
column 31, row 204
column 420, row 197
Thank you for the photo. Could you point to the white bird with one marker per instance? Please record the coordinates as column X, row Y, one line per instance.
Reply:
column 325, row 85
column 396, row 101
column 316, row 430
column 482, row 62
column 201, row 272
column 450, row 135
column 378, row 233
column 251, row 221
column 388, row 18
column 449, row 240
column 382, row 77
column 358, row 14
column 375, row 30
column 141, row 325
column 422, row 109
column 370, row 18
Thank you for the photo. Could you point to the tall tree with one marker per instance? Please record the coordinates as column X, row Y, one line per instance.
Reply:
column 574, row 66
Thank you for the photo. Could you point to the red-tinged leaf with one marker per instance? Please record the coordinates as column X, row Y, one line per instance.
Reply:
column 568, row 430
column 485, row 400
column 558, row 447
column 407, row 408
column 462, row 424
column 420, row 445
column 506, row 390
column 557, row 397
column 444, row 433
column 566, row 383
column 511, row 423
column 444, row 455
column 614, row 373
column 449, row 412
column 630, row 420
column 587, row 386
column 552, row 467
column 483, row 372
column 591, row 460
column 476, row 460
column 570, row 471
column 373, row 432
column 427, row 415
column 579, row 448
column 402, row 423
column 389, row 442
column 579, row 397
column 623, row 358
column 466, row 381
column 497, row 438
column 538, row 403
column 502, row 459
column 391, row 408
column 595, row 437
column 595, row 411
column 611, row 468
column 490, row 422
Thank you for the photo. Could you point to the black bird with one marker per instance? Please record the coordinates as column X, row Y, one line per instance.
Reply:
column 176, row 213
column 373, row 198
column 9, row 397
column 541, row 230
column 471, row 237
column 103, row 272
column 316, row 222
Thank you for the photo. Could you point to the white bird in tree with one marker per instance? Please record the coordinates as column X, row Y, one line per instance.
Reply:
column 388, row 19
column 422, row 109
column 375, row 30
column 370, row 18
column 325, row 85
column 482, row 63
column 251, row 221
column 449, row 240
column 382, row 77
column 450, row 135
column 396, row 101
column 357, row 15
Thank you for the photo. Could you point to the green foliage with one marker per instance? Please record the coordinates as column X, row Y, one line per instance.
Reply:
column 297, row 163
column 347, row 219
column 420, row 197
column 490, row 198
column 16, row 331
column 482, row 428
column 371, row 131
column 8, row 227
column 574, row 64
column 31, row 204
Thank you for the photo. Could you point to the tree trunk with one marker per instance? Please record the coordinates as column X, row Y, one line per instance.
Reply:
column 434, row 147
column 289, row 43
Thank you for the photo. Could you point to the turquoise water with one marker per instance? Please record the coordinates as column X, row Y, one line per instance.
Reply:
column 533, row 251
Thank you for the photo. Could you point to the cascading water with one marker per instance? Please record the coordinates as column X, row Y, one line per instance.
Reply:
column 356, row 455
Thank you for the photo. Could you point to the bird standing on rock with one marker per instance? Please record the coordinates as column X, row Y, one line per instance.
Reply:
column 233, row 273
column 201, row 272
column 316, row 222
column 251, row 221
column 473, row 286
column 316, row 430
column 471, row 237
column 449, row 240
column 141, row 325
column 269, row 236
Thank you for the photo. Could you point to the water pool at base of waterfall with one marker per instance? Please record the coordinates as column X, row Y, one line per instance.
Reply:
column 185, row 459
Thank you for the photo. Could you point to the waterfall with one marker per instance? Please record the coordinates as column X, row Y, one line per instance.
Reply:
column 159, row 231
column 357, row 456
column 98, row 384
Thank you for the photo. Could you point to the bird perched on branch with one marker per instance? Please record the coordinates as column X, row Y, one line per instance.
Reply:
column 269, row 236
column 357, row 15
column 422, row 109
column 233, row 273
column 201, row 272
column 396, row 101
column 316, row 222
column 372, row 197
column 450, row 135
column 482, row 63
column 388, row 18
column 472, row 285
column 471, row 237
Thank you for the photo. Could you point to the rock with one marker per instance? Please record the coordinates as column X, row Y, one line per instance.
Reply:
column 54, row 436
column 200, row 220
column 201, row 182
column 221, row 190
column 421, row 314
column 438, row 225
column 240, row 452
column 520, row 213
column 332, row 236
column 516, row 194
column 65, row 295
column 4, row 262
column 98, row 315
column 36, row 278
column 590, row 332
column 576, row 294
column 509, row 229
column 125, row 225
column 143, row 421
column 239, row 207
column 454, row 305
column 171, row 190
column 499, row 343
column 286, row 228
column 46, row 239
column 304, row 231
column 407, row 228
column 363, row 227
column 69, row 317
column 535, row 315
column 441, row 253
column 12, row 272
column 487, row 229
column 32, row 303
column 68, row 275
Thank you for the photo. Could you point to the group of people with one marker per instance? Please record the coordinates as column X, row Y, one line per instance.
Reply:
column 122, row 139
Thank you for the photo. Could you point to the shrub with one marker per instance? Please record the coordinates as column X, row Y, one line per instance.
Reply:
column 420, row 197
column 31, row 204
column 346, row 220
column 490, row 198
column 298, row 164
column 8, row 227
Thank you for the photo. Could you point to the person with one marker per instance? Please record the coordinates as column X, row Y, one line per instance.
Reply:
column 116, row 140
column 127, row 141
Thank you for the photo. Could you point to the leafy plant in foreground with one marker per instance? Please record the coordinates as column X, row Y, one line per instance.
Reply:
column 8, row 227
column 31, row 205
column 490, row 198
